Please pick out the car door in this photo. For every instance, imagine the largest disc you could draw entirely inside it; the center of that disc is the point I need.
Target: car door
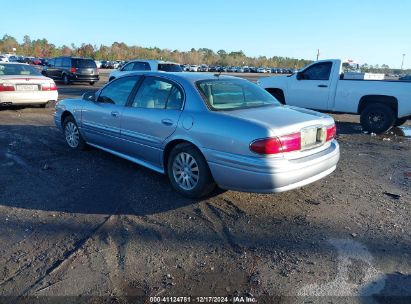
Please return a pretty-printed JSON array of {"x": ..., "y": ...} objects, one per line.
[
  {"x": 311, "y": 87},
  {"x": 58, "y": 68},
  {"x": 101, "y": 119},
  {"x": 150, "y": 118}
]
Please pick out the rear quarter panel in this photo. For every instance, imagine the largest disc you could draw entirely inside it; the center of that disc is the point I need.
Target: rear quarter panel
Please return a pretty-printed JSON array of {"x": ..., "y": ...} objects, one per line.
[{"x": 350, "y": 92}]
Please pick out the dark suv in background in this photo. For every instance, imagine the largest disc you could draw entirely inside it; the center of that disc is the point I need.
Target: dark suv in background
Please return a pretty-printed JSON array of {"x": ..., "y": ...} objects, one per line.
[{"x": 72, "y": 69}]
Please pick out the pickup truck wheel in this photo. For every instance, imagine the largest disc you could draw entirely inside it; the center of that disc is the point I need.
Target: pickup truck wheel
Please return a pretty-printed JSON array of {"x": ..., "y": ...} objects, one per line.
[
  {"x": 399, "y": 122},
  {"x": 72, "y": 134},
  {"x": 188, "y": 172},
  {"x": 377, "y": 118}
]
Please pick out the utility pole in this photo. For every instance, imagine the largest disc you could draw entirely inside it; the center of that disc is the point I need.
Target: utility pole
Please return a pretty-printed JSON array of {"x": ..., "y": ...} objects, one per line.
[
  {"x": 318, "y": 54},
  {"x": 402, "y": 63}
]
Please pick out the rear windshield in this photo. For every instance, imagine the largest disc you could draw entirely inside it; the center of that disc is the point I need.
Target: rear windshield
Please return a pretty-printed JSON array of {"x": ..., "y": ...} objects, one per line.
[
  {"x": 233, "y": 94},
  {"x": 169, "y": 67},
  {"x": 18, "y": 69},
  {"x": 83, "y": 63}
]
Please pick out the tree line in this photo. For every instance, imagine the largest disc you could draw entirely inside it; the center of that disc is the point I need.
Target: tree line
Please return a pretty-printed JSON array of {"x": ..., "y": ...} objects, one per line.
[{"x": 42, "y": 48}]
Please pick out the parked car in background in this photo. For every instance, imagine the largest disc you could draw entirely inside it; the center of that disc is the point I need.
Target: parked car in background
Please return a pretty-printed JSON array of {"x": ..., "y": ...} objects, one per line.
[
  {"x": 145, "y": 65},
  {"x": 44, "y": 61},
  {"x": 98, "y": 63},
  {"x": 4, "y": 58},
  {"x": 22, "y": 84},
  {"x": 203, "y": 68},
  {"x": 194, "y": 68},
  {"x": 72, "y": 69},
  {"x": 261, "y": 70},
  {"x": 406, "y": 78},
  {"x": 178, "y": 124},
  {"x": 35, "y": 61},
  {"x": 324, "y": 86},
  {"x": 104, "y": 64}
]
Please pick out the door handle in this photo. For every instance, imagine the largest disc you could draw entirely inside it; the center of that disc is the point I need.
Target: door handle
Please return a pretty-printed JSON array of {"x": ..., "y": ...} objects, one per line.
[
  {"x": 323, "y": 86},
  {"x": 115, "y": 113},
  {"x": 167, "y": 122}
]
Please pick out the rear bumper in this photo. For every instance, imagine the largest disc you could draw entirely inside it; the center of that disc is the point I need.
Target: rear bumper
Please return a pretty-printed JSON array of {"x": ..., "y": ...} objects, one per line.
[
  {"x": 83, "y": 78},
  {"x": 36, "y": 97},
  {"x": 267, "y": 175}
]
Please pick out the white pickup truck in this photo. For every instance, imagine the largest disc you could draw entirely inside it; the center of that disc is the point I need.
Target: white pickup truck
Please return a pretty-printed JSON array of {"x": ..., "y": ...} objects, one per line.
[{"x": 321, "y": 86}]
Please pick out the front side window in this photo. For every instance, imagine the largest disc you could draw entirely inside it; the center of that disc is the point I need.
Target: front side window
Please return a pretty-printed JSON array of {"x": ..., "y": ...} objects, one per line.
[
  {"x": 319, "y": 71},
  {"x": 118, "y": 91},
  {"x": 232, "y": 94},
  {"x": 158, "y": 94},
  {"x": 128, "y": 67}
]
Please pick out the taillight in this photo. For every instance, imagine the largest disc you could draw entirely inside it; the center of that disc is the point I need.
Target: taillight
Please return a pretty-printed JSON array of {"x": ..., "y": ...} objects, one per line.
[
  {"x": 49, "y": 87},
  {"x": 274, "y": 145},
  {"x": 331, "y": 132},
  {"x": 6, "y": 87},
  {"x": 73, "y": 70}
]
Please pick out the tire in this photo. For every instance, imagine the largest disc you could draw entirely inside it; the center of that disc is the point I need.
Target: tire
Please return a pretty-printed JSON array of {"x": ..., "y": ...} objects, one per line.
[
  {"x": 72, "y": 134},
  {"x": 377, "y": 118},
  {"x": 66, "y": 80},
  {"x": 196, "y": 180},
  {"x": 400, "y": 122},
  {"x": 91, "y": 83},
  {"x": 48, "y": 104}
]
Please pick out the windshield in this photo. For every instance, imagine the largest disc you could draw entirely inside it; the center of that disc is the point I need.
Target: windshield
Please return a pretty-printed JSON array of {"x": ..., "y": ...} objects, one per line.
[
  {"x": 233, "y": 94},
  {"x": 18, "y": 69},
  {"x": 169, "y": 67}
]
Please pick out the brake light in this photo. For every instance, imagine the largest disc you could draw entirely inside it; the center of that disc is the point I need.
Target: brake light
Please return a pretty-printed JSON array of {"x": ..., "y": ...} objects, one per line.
[
  {"x": 274, "y": 145},
  {"x": 49, "y": 87},
  {"x": 331, "y": 132},
  {"x": 6, "y": 87},
  {"x": 73, "y": 70}
]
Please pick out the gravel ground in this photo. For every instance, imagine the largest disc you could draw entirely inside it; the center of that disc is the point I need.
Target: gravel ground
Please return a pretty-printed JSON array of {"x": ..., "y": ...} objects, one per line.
[{"x": 92, "y": 224}]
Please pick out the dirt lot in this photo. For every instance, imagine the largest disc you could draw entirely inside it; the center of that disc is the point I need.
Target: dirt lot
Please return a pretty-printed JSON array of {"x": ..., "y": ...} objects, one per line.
[{"x": 92, "y": 224}]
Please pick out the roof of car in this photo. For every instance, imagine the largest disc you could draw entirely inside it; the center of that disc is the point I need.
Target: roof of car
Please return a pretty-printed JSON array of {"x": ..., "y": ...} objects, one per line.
[
  {"x": 153, "y": 61},
  {"x": 191, "y": 77}
]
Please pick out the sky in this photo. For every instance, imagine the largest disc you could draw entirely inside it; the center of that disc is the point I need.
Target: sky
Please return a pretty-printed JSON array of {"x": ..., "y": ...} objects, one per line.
[{"x": 373, "y": 32}]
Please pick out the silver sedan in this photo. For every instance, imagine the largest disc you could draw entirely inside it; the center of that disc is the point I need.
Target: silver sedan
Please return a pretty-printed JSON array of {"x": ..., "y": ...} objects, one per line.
[{"x": 203, "y": 130}]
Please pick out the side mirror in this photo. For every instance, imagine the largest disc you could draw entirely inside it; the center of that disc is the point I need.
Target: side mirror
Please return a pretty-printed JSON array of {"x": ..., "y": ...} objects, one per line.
[
  {"x": 300, "y": 76},
  {"x": 89, "y": 96}
]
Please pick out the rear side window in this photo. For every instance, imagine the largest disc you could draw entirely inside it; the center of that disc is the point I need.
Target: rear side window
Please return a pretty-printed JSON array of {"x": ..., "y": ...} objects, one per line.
[
  {"x": 66, "y": 62},
  {"x": 118, "y": 91},
  {"x": 141, "y": 66},
  {"x": 319, "y": 71},
  {"x": 158, "y": 94},
  {"x": 169, "y": 67},
  {"x": 59, "y": 62},
  {"x": 83, "y": 63}
]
